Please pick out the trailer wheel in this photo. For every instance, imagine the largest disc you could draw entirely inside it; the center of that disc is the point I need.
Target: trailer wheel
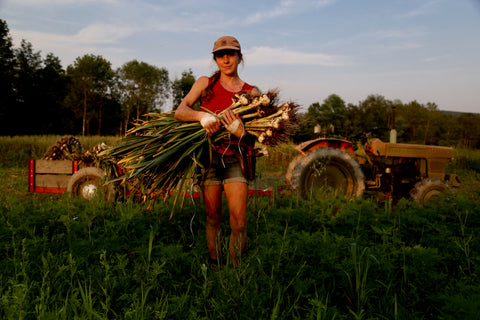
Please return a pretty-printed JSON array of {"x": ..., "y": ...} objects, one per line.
[
  {"x": 88, "y": 182},
  {"x": 426, "y": 189},
  {"x": 328, "y": 170}
]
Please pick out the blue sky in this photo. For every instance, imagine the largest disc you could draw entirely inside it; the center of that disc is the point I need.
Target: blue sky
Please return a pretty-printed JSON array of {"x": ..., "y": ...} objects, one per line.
[{"x": 423, "y": 50}]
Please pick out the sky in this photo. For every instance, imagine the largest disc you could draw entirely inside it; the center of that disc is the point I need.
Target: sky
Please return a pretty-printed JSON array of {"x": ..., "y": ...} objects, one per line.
[{"x": 409, "y": 50}]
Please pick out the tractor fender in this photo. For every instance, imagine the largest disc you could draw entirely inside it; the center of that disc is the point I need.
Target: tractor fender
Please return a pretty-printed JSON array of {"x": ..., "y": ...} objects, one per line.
[{"x": 334, "y": 143}]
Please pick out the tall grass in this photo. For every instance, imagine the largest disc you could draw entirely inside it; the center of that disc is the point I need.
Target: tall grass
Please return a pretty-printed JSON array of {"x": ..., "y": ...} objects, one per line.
[{"x": 467, "y": 159}]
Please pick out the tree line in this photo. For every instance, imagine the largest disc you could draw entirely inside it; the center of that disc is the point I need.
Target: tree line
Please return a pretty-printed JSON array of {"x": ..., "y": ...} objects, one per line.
[
  {"x": 413, "y": 122},
  {"x": 89, "y": 97}
]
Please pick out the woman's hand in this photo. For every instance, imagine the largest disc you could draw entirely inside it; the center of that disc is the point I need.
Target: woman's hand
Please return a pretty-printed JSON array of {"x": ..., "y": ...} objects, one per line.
[
  {"x": 210, "y": 123},
  {"x": 233, "y": 124}
]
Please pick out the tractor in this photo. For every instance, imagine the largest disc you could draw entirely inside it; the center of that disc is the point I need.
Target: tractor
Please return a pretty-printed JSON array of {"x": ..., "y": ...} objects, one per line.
[{"x": 388, "y": 170}]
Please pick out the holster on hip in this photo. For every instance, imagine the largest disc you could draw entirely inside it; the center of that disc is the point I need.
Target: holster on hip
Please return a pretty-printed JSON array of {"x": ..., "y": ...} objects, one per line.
[{"x": 247, "y": 159}]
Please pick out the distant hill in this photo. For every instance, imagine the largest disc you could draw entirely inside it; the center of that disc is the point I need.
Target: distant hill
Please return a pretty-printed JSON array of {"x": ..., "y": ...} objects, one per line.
[{"x": 456, "y": 113}]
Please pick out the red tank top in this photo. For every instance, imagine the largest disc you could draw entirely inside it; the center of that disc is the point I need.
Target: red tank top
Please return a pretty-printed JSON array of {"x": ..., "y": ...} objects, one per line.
[{"x": 222, "y": 98}]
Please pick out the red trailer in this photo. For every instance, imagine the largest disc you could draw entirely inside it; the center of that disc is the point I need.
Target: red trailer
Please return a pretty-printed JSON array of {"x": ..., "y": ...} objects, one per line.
[{"x": 60, "y": 176}]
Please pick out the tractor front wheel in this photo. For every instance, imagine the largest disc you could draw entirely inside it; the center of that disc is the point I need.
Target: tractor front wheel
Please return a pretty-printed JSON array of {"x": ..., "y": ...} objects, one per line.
[
  {"x": 426, "y": 189},
  {"x": 328, "y": 171}
]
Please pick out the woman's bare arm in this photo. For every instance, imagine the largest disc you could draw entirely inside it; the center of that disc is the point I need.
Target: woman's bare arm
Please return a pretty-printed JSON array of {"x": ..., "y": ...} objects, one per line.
[{"x": 185, "y": 112}]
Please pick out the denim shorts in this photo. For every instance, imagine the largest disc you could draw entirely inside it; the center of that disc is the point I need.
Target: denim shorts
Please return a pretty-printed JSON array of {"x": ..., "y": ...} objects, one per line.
[{"x": 224, "y": 169}]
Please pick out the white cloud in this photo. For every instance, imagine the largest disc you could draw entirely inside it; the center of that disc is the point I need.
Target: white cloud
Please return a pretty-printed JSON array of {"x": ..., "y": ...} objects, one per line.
[
  {"x": 267, "y": 56},
  {"x": 286, "y": 7},
  {"x": 96, "y": 39},
  {"x": 435, "y": 58},
  {"x": 93, "y": 34},
  {"x": 278, "y": 56},
  {"x": 39, "y": 39},
  {"x": 425, "y": 8},
  {"x": 324, "y": 3},
  {"x": 42, "y": 3},
  {"x": 103, "y": 33}
]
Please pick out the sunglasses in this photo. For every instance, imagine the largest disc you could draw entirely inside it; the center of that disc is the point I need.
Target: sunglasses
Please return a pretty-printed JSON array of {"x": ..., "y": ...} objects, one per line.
[{"x": 228, "y": 52}]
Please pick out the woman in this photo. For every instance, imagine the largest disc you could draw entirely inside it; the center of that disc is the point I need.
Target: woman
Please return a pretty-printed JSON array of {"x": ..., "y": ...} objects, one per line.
[{"x": 215, "y": 94}]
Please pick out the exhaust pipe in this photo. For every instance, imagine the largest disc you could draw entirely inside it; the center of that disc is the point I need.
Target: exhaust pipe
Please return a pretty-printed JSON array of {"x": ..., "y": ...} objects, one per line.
[{"x": 393, "y": 131}]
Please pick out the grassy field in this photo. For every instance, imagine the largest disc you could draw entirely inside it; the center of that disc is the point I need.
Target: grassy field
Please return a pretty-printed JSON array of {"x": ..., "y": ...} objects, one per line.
[{"x": 64, "y": 258}]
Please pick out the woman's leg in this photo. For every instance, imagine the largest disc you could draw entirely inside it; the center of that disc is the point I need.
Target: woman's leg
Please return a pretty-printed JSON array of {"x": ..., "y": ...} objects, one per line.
[
  {"x": 237, "y": 193},
  {"x": 212, "y": 196}
]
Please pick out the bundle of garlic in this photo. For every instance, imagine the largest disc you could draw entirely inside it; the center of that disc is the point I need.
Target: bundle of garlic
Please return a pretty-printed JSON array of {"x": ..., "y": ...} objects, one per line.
[
  {"x": 262, "y": 117},
  {"x": 162, "y": 153}
]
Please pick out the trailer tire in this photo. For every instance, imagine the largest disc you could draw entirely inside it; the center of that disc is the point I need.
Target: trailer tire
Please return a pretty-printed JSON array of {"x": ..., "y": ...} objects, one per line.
[
  {"x": 88, "y": 182},
  {"x": 328, "y": 171},
  {"x": 426, "y": 189}
]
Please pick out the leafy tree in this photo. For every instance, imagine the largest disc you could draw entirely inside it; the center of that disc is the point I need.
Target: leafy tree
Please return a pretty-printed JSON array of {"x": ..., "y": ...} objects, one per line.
[
  {"x": 40, "y": 88},
  {"x": 53, "y": 88},
  {"x": 91, "y": 81},
  {"x": 372, "y": 114},
  {"x": 330, "y": 113},
  {"x": 376, "y": 114},
  {"x": 180, "y": 87},
  {"x": 353, "y": 121},
  {"x": 307, "y": 123},
  {"x": 28, "y": 93},
  {"x": 414, "y": 119},
  {"x": 449, "y": 130},
  {"x": 470, "y": 129},
  {"x": 145, "y": 88},
  {"x": 304, "y": 130},
  {"x": 432, "y": 124},
  {"x": 7, "y": 72}
]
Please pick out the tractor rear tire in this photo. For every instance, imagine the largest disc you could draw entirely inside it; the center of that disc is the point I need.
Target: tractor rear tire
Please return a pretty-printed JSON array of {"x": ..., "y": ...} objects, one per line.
[
  {"x": 426, "y": 189},
  {"x": 328, "y": 171},
  {"x": 291, "y": 166},
  {"x": 88, "y": 182}
]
